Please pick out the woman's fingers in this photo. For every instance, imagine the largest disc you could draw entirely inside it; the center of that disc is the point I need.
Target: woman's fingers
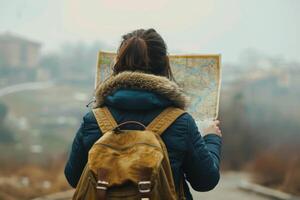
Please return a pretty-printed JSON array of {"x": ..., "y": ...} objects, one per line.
[
  {"x": 213, "y": 128},
  {"x": 216, "y": 126}
]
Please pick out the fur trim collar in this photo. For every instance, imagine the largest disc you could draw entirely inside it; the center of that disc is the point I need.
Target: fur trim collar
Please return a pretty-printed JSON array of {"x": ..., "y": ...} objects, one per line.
[{"x": 138, "y": 80}]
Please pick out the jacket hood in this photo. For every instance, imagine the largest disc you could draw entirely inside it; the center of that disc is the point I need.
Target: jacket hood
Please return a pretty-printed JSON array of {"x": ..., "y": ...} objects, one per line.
[{"x": 140, "y": 91}]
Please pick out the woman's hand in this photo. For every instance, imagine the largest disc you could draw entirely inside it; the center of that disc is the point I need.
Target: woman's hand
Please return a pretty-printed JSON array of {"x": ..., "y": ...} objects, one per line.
[{"x": 213, "y": 129}]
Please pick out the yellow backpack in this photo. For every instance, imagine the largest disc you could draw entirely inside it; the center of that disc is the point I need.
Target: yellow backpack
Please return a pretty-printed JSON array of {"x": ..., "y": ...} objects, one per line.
[{"x": 129, "y": 164}]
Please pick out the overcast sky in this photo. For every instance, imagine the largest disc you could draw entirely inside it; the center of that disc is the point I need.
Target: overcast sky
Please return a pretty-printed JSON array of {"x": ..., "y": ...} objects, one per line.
[{"x": 212, "y": 26}]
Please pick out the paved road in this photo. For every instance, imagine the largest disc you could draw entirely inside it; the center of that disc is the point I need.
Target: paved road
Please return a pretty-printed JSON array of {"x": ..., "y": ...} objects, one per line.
[{"x": 226, "y": 190}]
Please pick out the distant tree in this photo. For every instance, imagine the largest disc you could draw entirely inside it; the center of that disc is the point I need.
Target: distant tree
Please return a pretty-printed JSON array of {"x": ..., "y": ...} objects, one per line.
[
  {"x": 74, "y": 61},
  {"x": 6, "y": 135},
  {"x": 240, "y": 140},
  {"x": 3, "y": 112},
  {"x": 2, "y": 61},
  {"x": 52, "y": 63}
]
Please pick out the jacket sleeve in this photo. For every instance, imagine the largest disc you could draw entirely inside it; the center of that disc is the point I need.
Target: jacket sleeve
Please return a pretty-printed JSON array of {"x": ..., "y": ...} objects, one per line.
[
  {"x": 202, "y": 160},
  {"x": 77, "y": 158}
]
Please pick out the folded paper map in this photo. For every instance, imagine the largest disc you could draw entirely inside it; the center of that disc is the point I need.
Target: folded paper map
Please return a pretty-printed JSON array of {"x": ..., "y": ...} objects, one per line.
[{"x": 198, "y": 75}]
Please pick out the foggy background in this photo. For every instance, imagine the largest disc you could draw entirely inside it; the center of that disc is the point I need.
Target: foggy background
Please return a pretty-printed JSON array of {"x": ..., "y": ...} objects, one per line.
[{"x": 48, "y": 53}]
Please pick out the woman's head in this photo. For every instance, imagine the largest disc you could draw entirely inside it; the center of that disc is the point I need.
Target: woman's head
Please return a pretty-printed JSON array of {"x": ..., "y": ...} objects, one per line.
[{"x": 145, "y": 51}]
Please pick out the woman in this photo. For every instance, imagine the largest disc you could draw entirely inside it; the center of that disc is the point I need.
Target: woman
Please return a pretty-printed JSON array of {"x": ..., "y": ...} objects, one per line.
[{"x": 141, "y": 87}]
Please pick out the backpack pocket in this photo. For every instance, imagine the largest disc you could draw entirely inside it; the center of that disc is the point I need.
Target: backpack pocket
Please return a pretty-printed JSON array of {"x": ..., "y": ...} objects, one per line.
[{"x": 86, "y": 188}]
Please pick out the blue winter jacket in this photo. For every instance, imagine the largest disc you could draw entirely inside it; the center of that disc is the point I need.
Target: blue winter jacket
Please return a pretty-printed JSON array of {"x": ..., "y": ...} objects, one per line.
[{"x": 191, "y": 156}]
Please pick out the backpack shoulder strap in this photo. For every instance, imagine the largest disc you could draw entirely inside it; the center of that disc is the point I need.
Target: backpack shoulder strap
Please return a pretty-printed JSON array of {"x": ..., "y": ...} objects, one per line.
[
  {"x": 105, "y": 120},
  {"x": 165, "y": 119}
]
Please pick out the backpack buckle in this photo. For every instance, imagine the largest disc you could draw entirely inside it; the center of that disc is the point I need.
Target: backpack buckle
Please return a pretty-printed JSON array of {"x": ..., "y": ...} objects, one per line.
[
  {"x": 144, "y": 186},
  {"x": 101, "y": 185}
]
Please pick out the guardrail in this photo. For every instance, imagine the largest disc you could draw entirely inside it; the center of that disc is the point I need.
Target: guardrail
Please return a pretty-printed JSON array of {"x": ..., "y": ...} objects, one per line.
[{"x": 265, "y": 191}]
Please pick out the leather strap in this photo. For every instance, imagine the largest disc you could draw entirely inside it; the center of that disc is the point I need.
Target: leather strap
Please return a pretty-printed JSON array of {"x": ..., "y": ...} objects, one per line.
[
  {"x": 102, "y": 184},
  {"x": 181, "y": 189},
  {"x": 145, "y": 185},
  {"x": 105, "y": 120},
  {"x": 164, "y": 120}
]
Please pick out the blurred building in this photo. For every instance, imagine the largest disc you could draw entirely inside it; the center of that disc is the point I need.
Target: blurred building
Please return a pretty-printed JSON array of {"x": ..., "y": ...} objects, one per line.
[{"x": 16, "y": 51}]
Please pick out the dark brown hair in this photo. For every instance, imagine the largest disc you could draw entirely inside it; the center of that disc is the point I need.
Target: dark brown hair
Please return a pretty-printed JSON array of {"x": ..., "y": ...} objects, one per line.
[{"x": 145, "y": 51}]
